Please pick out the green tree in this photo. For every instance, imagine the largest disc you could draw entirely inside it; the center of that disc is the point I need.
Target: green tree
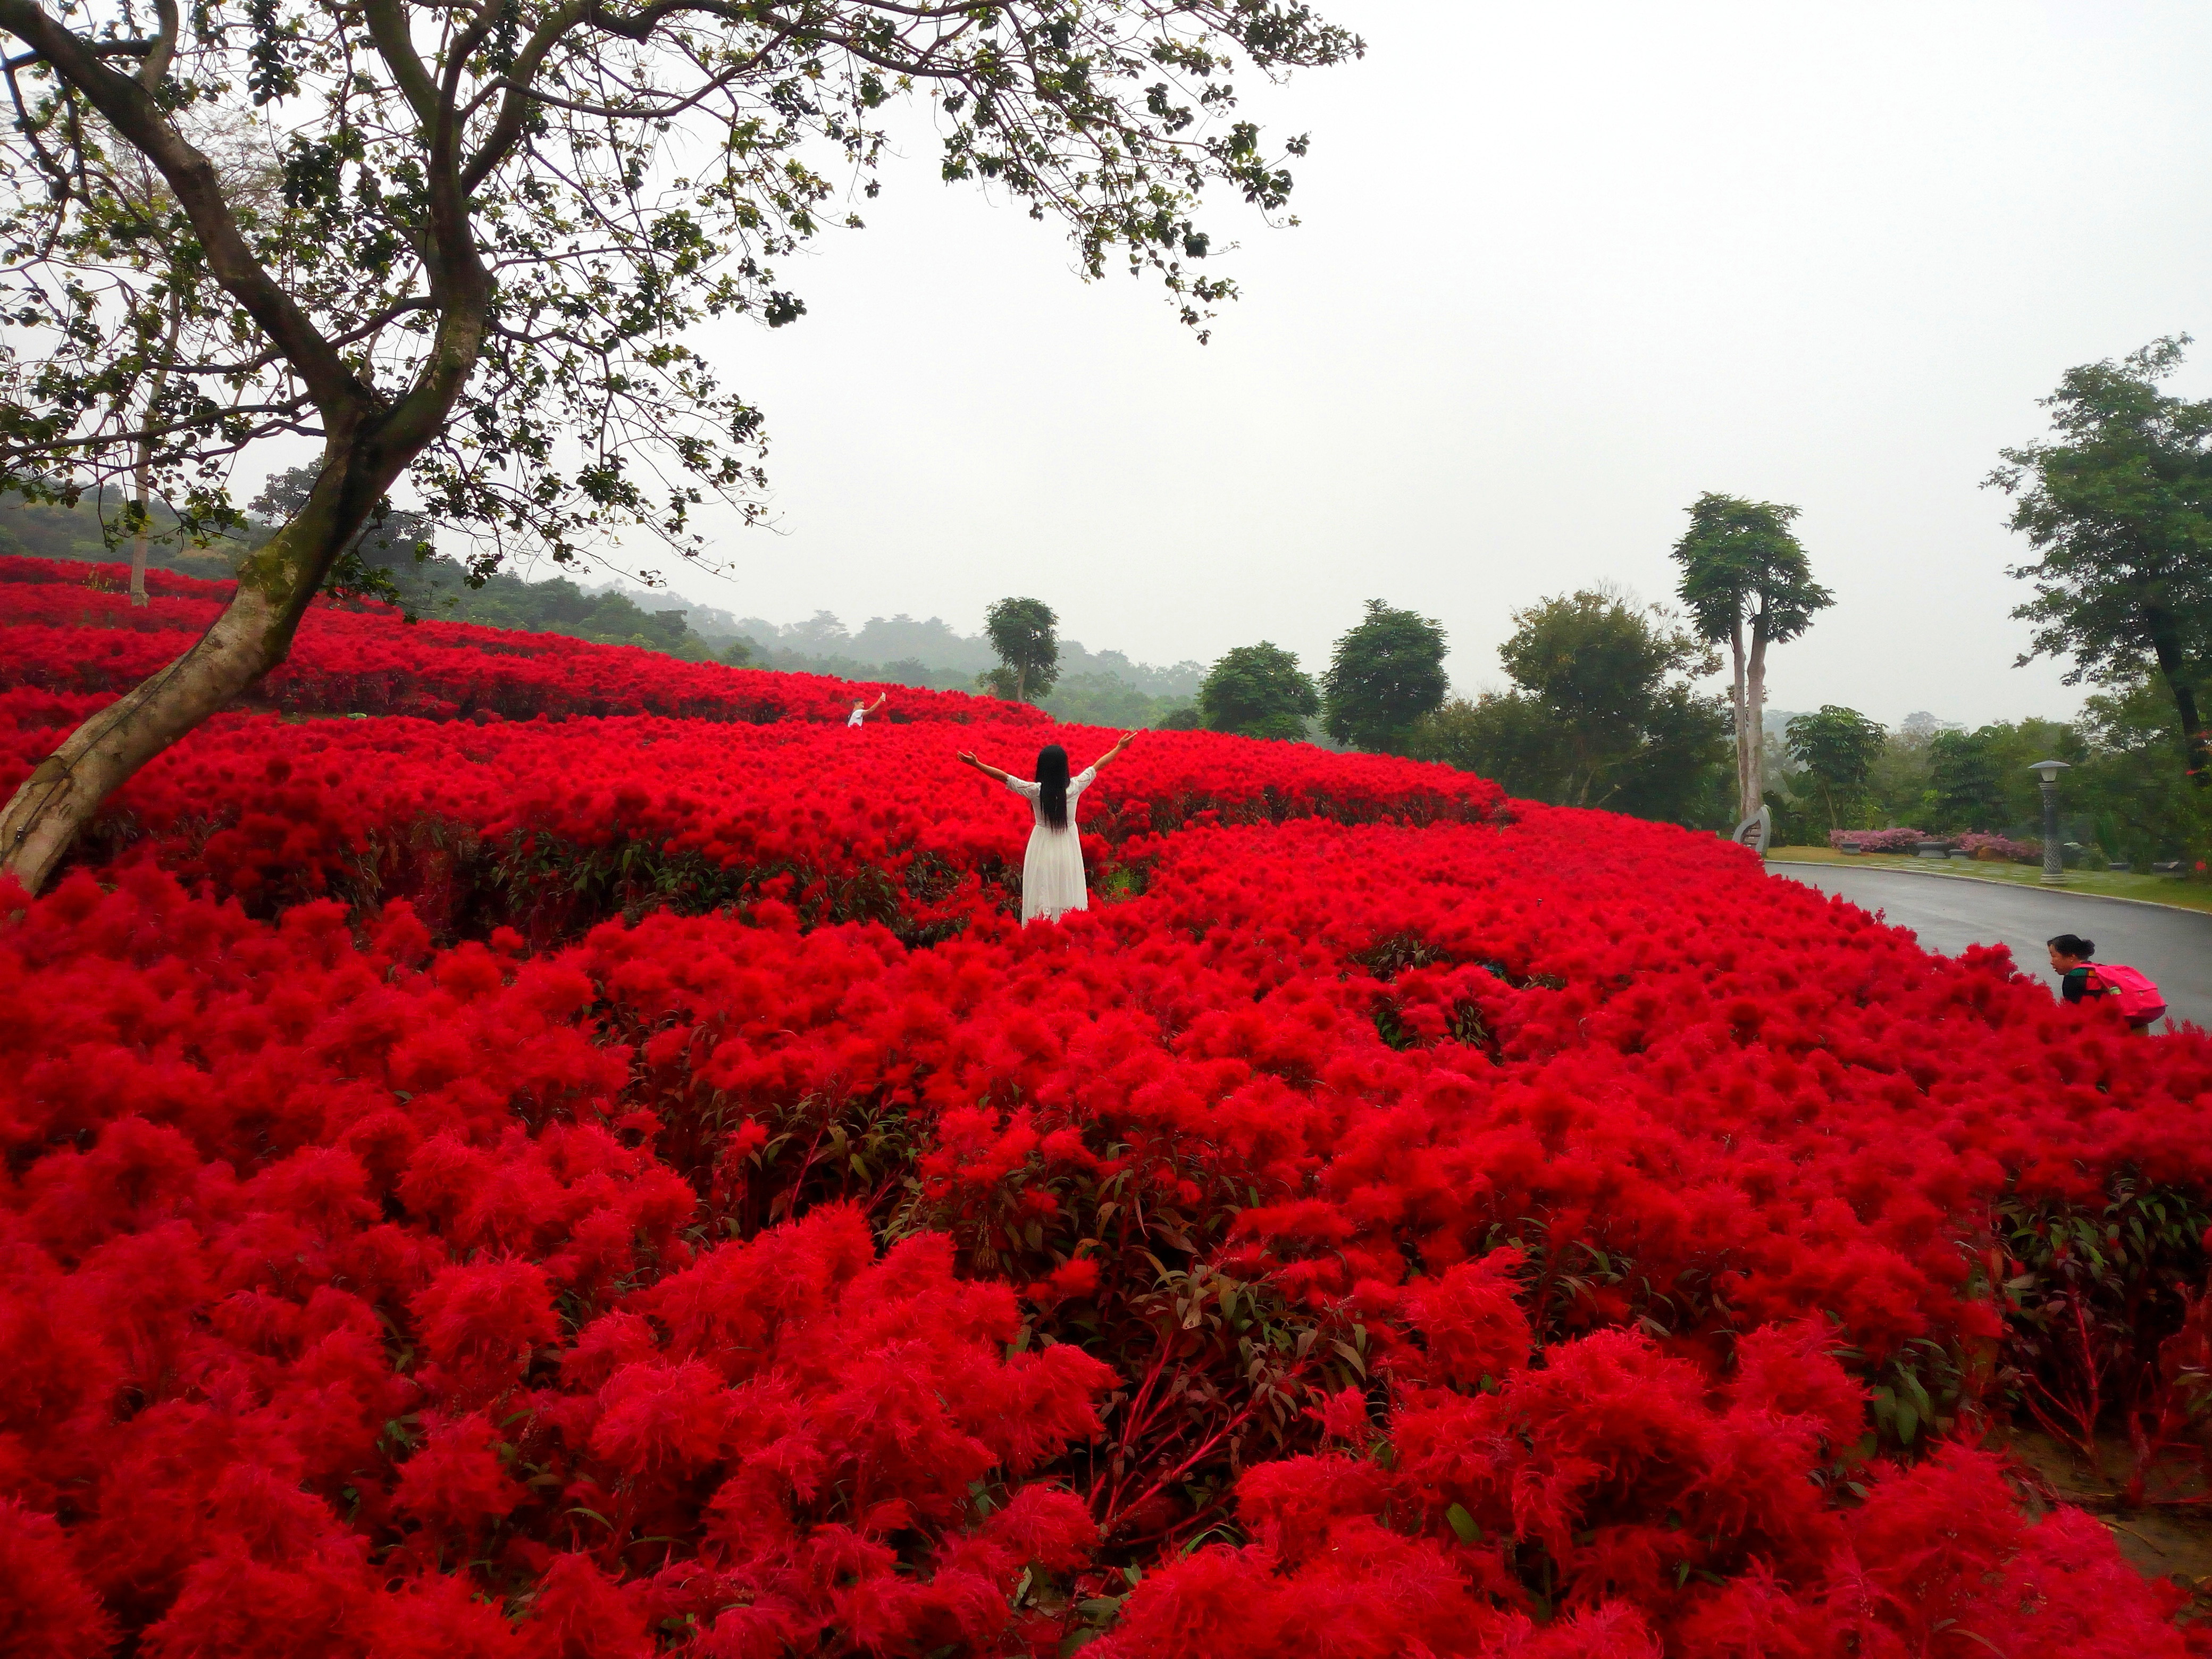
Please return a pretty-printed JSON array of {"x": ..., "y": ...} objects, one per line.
[
  {"x": 1744, "y": 574},
  {"x": 1025, "y": 632},
  {"x": 1259, "y": 691},
  {"x": 1384, "y": 675},
  {"x": 497, "y": 223},
  {"x": 2117, "y": 505},
  {"x": 1837, "y": 748},
  {"x": 1602, "y": 713},
  {"x": 2126, "y": 775},
  {"x": 1966, "y": 781}
]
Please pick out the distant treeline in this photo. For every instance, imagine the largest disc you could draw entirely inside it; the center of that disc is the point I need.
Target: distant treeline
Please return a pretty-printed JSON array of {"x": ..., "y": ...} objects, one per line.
[{"x": 1101, "y": 688}]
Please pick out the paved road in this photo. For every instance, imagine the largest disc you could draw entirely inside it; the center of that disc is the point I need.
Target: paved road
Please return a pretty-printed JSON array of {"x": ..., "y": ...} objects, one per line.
[{"x": 2174, "y": 947}]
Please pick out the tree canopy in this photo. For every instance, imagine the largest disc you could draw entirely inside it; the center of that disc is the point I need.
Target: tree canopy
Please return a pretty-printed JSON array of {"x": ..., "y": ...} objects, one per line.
[
  {"x": 1602, "y": 713},
  {"x": 1259, "y": 691},
  {"x": 1385, "y": 674},
  {"x": 1743, "y": 566},
  {"x": 1025, "y": 632},
  {"x": 463, "y": 246},
  {"x": 2117, "y": 505},
  {"x": 1965, "y": 780},
  {"x": 1744, "y": 573}
]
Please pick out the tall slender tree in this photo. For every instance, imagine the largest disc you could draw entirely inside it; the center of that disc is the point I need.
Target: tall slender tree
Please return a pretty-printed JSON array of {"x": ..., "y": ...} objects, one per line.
[
  {"x": 1025, "y": 632},
  {"x": 498, "y": 222},
  {"x": 2117, "y": 505},
  {"x": 1745, "y": 580}
]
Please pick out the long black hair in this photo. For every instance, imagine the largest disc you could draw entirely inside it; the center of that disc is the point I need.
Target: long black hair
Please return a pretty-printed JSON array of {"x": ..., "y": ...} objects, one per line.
[
  {"x": 2074, "y": 945},
  {"x": 1052, "y": 785}
]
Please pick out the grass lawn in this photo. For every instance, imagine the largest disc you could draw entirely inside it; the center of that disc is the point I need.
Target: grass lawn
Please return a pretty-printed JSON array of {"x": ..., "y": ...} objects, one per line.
[{"x": 2159, "y": 890}]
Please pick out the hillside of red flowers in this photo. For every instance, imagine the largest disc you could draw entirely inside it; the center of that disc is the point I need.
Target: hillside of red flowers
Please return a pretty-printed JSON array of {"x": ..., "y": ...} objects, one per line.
[{"x": 620, "y": 1183}]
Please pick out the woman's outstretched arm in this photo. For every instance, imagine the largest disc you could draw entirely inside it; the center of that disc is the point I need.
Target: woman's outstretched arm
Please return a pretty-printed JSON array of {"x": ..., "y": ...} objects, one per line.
[
  {"x": 969, "y": 759},
  {"x": 1127, "y": 738}
]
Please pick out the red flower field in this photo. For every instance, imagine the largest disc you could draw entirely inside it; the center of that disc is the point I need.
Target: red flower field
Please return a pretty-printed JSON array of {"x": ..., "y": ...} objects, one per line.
[{"x": 579, "y": 1158}]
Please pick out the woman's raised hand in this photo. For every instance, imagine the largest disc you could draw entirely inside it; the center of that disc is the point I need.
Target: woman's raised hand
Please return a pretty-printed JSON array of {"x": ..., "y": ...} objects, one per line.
[
  {"x": 1124, "y": 742},
  {"x": 968, "y": 758}
]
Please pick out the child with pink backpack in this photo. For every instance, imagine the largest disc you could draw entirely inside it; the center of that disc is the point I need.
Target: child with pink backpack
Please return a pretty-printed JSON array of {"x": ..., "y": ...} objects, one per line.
[{"x": 2129, "y": 989}]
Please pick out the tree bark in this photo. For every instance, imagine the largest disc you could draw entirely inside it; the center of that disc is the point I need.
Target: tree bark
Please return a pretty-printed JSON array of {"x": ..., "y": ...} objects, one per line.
[
  {"x": 143, "y": 494},
  {"x": 253, "y": 636},
  {"x": 2173, "y": 667},
  {"x": 1755, "y": 722},
  {"x": 138, "y": 551},
  {"x": 1736, "y": 703},
  {"x": 142, "y": 463},
  {"x": 66, "y": 788}
]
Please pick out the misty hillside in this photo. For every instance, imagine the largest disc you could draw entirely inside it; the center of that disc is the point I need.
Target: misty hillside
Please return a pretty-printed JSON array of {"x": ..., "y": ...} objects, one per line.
[{"x": 1103, "y": 688}]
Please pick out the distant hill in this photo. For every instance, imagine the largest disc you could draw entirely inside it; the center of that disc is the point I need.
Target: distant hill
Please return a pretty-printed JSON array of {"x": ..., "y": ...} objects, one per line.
[
  {"x": 64, "y": 533},
  {"x": 1101, "y": 688},
  {"x": 436, "y": 587}
]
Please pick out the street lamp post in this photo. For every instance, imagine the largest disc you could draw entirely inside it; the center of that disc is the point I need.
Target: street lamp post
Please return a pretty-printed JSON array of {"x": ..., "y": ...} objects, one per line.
[{"x": 2054, "y": 860}]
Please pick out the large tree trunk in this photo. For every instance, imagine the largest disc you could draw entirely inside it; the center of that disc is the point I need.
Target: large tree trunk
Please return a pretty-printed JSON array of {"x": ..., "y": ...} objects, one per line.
[
  {"x": 251, "y": 637},
  {"x": 142, "y": 462},
  {"x": 2196, "y": 741},
  {"x": 1755, "y": 722},
  {"x": 1737, "y": 702},
  {"x": 2173, "y": 667},
  {"x": 138, "y": 566},
  {"x": 144, "y": 494},
  {"x": 67, "y": 788}
]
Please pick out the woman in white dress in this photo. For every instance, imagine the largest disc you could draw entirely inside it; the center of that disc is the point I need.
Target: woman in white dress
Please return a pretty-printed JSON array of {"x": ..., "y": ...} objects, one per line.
[{"x": 1052, "y": 873}]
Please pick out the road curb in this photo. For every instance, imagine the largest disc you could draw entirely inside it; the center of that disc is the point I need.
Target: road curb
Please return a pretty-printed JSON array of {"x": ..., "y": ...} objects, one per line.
[{"x": 1983, "y": 881}]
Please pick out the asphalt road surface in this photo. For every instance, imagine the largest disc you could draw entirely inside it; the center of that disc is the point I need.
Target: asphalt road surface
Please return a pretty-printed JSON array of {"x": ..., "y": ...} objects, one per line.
[{"x": 2174, "y": 947}]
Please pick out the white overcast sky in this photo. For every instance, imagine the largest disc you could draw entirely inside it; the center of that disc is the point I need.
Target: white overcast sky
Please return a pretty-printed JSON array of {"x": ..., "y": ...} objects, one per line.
[{"x": 1561, "y": 268}]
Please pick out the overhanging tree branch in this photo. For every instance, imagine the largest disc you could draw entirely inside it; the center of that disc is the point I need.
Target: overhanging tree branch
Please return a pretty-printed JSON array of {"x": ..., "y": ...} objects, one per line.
[
  {"x": 130, "y": 107},
  {"x": 472, "y": 235}
]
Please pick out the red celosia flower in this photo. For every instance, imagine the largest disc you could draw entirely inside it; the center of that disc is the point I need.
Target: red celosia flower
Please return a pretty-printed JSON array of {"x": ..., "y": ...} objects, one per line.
[{"x": 621, "y": 1180}]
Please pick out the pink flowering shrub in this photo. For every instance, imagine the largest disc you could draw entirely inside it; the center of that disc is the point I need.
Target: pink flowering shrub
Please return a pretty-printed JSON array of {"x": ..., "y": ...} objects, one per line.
[
  {"x": 1876, "y": 840},
  {"x": 1995, "y": 847}
]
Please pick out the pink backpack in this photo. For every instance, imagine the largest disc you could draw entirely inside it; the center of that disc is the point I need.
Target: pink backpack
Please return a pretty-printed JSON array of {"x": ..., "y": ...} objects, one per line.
[{"x": 2132, "y": 992}]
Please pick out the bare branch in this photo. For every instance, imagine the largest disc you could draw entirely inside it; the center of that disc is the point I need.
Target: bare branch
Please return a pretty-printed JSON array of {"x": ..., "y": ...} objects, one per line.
[
  {"x": 99, "y": 49},
  {"x": 163, "y": 47}
]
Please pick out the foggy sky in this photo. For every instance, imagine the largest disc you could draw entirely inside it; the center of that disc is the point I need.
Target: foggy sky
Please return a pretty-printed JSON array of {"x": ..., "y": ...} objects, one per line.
[{"x": 1560, "y": 269}]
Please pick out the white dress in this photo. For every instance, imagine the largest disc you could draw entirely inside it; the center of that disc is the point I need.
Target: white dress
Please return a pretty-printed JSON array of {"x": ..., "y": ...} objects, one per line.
[{"x": 1052, "y": 873}]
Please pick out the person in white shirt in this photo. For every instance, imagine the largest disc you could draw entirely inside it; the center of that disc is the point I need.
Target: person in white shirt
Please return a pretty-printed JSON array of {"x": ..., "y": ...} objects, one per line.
[{"x": 862, "y": 710}]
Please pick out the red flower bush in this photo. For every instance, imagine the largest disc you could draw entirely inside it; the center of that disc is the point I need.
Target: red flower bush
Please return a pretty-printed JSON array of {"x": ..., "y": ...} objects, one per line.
[
  {"x": 629, "y": 1184},
  {"x": 1667, "y": 1520},
  {"x": 65, "y": 635},
  {"x": 549, "y": 827}
]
